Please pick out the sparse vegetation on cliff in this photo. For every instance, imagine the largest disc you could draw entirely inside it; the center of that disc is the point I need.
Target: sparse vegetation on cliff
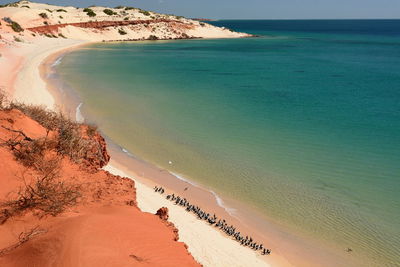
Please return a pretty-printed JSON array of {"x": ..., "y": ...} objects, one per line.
[
  {"x": 89, "y": 12},
  {"x": 43, "y": 192}
]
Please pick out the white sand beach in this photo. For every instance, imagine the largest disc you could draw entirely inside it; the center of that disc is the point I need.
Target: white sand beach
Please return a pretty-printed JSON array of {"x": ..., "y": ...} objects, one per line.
[{"x": 207, "y": 245}]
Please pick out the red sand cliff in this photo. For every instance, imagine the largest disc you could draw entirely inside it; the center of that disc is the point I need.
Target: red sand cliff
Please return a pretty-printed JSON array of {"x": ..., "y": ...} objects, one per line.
[{"x": 104, "y": 227}]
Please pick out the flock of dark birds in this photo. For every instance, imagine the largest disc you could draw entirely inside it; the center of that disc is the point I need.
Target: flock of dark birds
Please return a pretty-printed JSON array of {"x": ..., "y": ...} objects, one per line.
[{"x": 213, "y": 220}]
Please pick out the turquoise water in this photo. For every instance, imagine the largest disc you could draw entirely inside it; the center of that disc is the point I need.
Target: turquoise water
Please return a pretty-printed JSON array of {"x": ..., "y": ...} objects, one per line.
[{"x": 301, "y": 123}]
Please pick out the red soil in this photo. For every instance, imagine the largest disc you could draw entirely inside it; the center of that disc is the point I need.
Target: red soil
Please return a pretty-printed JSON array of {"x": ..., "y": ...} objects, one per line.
[{"x": 105, "y": 227}]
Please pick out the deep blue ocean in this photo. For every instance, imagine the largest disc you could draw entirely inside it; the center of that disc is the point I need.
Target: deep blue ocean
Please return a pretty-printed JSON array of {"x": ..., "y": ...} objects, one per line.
[{"x": 301, "y": 123}]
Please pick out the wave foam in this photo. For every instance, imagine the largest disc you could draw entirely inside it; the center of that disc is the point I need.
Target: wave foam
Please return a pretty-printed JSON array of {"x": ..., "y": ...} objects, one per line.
[
  {"x": 127, "y": 152},
  {"x": 184, "y": 179},
  {"x": 220, "y": 203},
  {"x": 57, "y": 62},
  {"x": 78, "y": 115}
]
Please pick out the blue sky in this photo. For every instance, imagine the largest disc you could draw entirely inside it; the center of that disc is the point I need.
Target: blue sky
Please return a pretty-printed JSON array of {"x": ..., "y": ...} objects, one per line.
[{"x": 256, "y": 9}]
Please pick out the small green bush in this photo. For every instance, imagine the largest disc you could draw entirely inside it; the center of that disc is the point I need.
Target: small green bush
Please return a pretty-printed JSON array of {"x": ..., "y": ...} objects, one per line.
[
  {"x": 61, "y": 10},
  {"x": 109, "y": 12},
  {"x": 119, "y": 7},
  {"x": 129, "y": 8},
  {"x": 152, "y": 38},
  {"x": 44, "y": 15},
  {"x": 16, "y": 27},
  {"x": 144, "y": 12},
  {"x": 17, "y": 39},
  {"x": 122, "y": 32},
  {"x": 89, "y": 12},
  {"x": 62, "y": 35},
  {"x": 51, "y": 11},
  {"x": 126, "y": 18}
]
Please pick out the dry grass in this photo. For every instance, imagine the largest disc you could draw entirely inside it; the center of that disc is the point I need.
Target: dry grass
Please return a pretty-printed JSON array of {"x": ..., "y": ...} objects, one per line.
[
  {"x": 44, "y": 191},
  {"x": 70, "y": 140}
]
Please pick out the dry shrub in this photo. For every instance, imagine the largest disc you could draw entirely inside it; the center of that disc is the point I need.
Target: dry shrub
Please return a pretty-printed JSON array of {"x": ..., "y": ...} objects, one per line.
[
  {"x": 29, "y": 152},
  {"x": 91, "y": 130},
  {"x": 45, "y": 192},
  {"x": 70, "y": 138},
  {"x": 48, "y": 119}
]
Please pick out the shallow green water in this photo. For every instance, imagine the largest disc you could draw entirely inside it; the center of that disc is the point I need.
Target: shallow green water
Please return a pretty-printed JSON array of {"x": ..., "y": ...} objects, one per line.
[{"x": 302, "y": 123}]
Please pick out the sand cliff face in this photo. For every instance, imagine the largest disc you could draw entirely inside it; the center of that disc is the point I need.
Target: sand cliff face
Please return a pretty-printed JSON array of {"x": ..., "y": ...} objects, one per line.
[
  {"x": 99, "y": 24},
  {"x": 99, "y": 225}
]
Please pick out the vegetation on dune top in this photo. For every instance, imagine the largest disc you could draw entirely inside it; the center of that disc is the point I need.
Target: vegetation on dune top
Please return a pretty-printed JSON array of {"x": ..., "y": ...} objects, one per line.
[
  {"x": 89, "y": 12},
  {"x": 144, "y": 12},
  {"x": 109, "y": 12},
  {"x": 129, "y": 8}
]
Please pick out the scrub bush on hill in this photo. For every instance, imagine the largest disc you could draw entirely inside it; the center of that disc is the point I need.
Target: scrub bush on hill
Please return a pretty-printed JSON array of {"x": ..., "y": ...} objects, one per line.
[
  {"x": 109, "y": 12},
  {"x": 61, "y": 10},
  {"x": 144, "y": 12},
  {"x": 89, "y": 12},
  {"x": 16, "y": 27},
  {"x": 44, "y": 15},
  {"x": 122, "y": 32}
]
